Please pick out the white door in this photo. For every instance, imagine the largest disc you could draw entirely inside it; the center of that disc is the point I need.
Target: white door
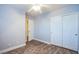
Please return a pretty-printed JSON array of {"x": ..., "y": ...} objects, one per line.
[
  {"x": 31, "y": 29},
  {"x": 70, "y": 31},
  {"x": 56, "y": 30}
]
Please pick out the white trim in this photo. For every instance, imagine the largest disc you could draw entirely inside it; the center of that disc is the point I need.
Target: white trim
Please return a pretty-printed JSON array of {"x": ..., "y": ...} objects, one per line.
[
  {"x": 11, "y": 48},
  {"x": 41, "y": 40}
]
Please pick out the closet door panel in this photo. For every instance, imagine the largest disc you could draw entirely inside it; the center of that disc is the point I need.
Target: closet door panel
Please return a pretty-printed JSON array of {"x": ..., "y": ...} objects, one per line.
[
  {"x": 56, "y": 30},
  {"x": 70, "y": 31}
]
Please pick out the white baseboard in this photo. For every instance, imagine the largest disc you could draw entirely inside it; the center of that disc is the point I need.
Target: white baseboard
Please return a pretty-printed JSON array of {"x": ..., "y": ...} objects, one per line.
[
  {"x": 12, "y": 48},
  {"x": 41, "y": 40},
  {"x": 46, "y": 42}
]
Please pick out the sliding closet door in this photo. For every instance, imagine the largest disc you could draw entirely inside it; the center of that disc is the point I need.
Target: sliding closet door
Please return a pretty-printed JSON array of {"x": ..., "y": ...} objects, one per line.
[
  {"x": 56, "y": 30},
  {"x": 70, "y": 31}
]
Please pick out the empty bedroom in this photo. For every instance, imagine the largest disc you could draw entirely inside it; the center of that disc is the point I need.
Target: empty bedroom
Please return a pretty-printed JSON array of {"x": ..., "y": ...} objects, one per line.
[{"x": 39, "y": 28}]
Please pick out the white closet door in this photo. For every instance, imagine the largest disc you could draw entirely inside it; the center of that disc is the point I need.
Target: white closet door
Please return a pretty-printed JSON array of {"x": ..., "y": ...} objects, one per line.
[
  {"x": 56, "y": 30},
  {"x": 70, "y": 31}
]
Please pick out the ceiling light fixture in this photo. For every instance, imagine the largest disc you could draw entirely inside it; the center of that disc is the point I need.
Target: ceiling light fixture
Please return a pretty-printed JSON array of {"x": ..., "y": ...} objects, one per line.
[{"x": 36, "y": 8}]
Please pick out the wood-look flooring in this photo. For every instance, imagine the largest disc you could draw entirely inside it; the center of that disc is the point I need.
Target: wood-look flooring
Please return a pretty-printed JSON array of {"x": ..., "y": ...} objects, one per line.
[{"x": 37, "y": 47}]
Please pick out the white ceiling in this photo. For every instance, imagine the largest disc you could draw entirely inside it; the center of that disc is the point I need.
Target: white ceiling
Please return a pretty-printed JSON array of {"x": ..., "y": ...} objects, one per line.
[{"x": 26, "y": 7}]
